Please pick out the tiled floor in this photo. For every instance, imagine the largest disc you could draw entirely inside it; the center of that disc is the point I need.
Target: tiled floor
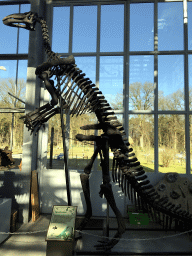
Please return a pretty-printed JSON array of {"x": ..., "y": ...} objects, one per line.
[{"x": 34, "y": 244}]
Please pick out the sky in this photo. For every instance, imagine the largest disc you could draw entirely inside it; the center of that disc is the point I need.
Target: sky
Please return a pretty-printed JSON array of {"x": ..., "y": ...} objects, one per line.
[{"x": 141, "y": 68}]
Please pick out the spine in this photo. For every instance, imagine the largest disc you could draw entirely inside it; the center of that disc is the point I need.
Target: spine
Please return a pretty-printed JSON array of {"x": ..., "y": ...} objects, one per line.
[{"x": 46, "y": 42}]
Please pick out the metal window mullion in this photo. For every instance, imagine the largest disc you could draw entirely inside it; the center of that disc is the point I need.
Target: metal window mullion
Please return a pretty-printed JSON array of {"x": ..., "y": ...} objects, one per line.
[
  {"x": 173, "y": 52},
  {"x": 77, "y": 2},
  {"x": 71, "y": 29},
  {"x": 131, "y": 53},
  {"x": 94, "y": 54},
  {"x": 98, "y": 44},
  {"x": 156, "y": 143},
  {"x": 67, "y": 133},
  {"x": 97, "y": 66},
  {"x": 126, "y": 78},
  {"x": 186, "y": 87},
  {"x": 21, "y": 56},
  {"x": 161, "y": 112},
  {"x": 70, "y": 52},
  {"x": 14, "y": 2},
  {"x": 16, "y": 78},
  {"x": 126, "y": 67}
]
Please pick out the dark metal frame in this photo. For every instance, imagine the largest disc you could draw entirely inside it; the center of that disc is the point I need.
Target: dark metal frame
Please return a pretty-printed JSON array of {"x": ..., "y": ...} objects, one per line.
[{"x": 126, "y": 54}]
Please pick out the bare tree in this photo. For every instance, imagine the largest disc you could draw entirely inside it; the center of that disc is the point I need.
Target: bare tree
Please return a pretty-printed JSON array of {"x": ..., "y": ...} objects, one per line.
[
  {"x": 141, "y": 96},
  {"x": 6, "y": 101}
]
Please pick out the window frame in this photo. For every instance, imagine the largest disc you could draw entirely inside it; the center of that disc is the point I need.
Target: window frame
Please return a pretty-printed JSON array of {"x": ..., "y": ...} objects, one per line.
[{"x": 126, "y": 54}]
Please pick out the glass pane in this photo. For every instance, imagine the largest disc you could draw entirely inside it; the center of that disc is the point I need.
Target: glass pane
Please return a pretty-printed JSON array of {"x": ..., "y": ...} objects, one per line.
[
  {"x": 171, "y": 137},
  {"x": 120, "y": 119},
  {"x": 170, "y": 26},
  {"x": 60, "y": 40},
  {"x": 79, "y": 153},
  {"x": 24, "y": 33},
  {"x": 8, "y": 80},
  {"x": 14, "y": 156},
  {"x": 84, "y": 28},
  {"x": 8, "y": 39},
  {"x": 141, "y": 89},
  {"x": 12, "y": 136},
  {"x": 190, "y": 136},
  {"x": 57, "y": 153},
  {"x": 171, "y": 82},
  {"x": 112, "y": 28},
  {"x": 111, "y": 80},
  {"x": 22, "y": 69},
  {"x": 141, "y": 27},
  {"x": 22, "y": 77},
  {"x": 88, "y": 66},
  {"x": 8, "y": 69},
  {"x": 190, "y": 82},
  {"x": 141, "y": 138},
  {"x": 189, "y": 12}
]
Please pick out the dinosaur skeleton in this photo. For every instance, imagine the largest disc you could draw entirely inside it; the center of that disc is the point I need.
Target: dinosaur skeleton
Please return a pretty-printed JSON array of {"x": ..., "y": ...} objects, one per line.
[{"x": 79, "y": 95}]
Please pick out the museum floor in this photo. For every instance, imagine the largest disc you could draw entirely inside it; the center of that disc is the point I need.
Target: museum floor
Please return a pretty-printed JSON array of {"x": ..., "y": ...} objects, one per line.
[{"x": 34, "y": 244}]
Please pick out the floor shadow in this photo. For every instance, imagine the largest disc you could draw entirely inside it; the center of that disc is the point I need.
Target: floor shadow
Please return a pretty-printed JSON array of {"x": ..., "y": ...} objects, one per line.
[{"x": 8, "y": 189}]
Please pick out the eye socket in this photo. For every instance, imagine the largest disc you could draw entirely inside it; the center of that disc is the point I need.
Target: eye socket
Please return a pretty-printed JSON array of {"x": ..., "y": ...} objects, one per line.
[{"x": 29, "y": 17}]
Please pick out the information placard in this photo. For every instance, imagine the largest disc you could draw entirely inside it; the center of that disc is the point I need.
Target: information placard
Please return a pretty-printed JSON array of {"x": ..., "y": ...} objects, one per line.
[{"x": 62, "y": 223}]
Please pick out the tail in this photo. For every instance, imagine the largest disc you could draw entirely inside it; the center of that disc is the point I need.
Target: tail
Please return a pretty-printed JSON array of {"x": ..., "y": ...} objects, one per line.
[{"x": 131, "y": 177}]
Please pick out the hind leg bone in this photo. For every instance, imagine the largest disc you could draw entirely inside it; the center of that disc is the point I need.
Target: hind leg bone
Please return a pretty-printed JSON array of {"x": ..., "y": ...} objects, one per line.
[{"x": 86, "y": 190}]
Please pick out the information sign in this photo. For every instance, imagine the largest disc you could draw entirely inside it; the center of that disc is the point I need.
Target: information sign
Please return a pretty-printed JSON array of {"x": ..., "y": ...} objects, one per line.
[{"x": 62, "y": 223}]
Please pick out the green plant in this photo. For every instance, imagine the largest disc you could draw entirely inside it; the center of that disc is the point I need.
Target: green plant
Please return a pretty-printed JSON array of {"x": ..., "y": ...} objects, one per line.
[{"x": 167, "y": 156}]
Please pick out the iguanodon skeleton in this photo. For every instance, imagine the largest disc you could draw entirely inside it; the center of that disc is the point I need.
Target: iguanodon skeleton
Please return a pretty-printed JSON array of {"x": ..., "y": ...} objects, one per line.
[{"x": 82, "y": 95}]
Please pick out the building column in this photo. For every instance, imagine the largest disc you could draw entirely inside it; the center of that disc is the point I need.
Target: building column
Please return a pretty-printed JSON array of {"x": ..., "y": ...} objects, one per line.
[{"x": 33, "y": 89}]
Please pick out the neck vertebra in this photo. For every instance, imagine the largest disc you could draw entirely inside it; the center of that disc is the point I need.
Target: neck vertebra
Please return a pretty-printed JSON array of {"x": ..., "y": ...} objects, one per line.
[{"x": 46, "y": 42}]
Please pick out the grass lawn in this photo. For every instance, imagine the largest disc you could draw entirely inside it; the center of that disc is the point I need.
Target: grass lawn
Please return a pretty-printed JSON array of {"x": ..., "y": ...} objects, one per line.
[{"x": 79, "y": 157}]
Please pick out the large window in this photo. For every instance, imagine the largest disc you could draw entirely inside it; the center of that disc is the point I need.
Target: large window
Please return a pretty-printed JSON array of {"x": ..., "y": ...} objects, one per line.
[
  {"x": 13, "y": 75},
  {"x": 138, "y": 56}
]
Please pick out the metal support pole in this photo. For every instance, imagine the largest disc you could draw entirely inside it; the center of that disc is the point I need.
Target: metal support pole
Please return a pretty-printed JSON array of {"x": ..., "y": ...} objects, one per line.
[
  {"x": 105, "y": 169},
  {"x": 65, "y": 153},
  {"x": 51, "y": 148}
]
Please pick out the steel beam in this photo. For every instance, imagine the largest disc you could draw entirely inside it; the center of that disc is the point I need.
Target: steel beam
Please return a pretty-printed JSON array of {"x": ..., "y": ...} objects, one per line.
[{"x": 12, "y": 110}]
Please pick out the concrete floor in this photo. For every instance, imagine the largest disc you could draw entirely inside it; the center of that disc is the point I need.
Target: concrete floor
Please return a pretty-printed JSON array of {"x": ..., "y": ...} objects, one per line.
[{"x": 34, "y": 244}]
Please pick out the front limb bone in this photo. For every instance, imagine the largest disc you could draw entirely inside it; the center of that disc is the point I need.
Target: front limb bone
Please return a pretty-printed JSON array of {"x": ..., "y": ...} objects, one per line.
[{"x": 49, "y": 85}]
